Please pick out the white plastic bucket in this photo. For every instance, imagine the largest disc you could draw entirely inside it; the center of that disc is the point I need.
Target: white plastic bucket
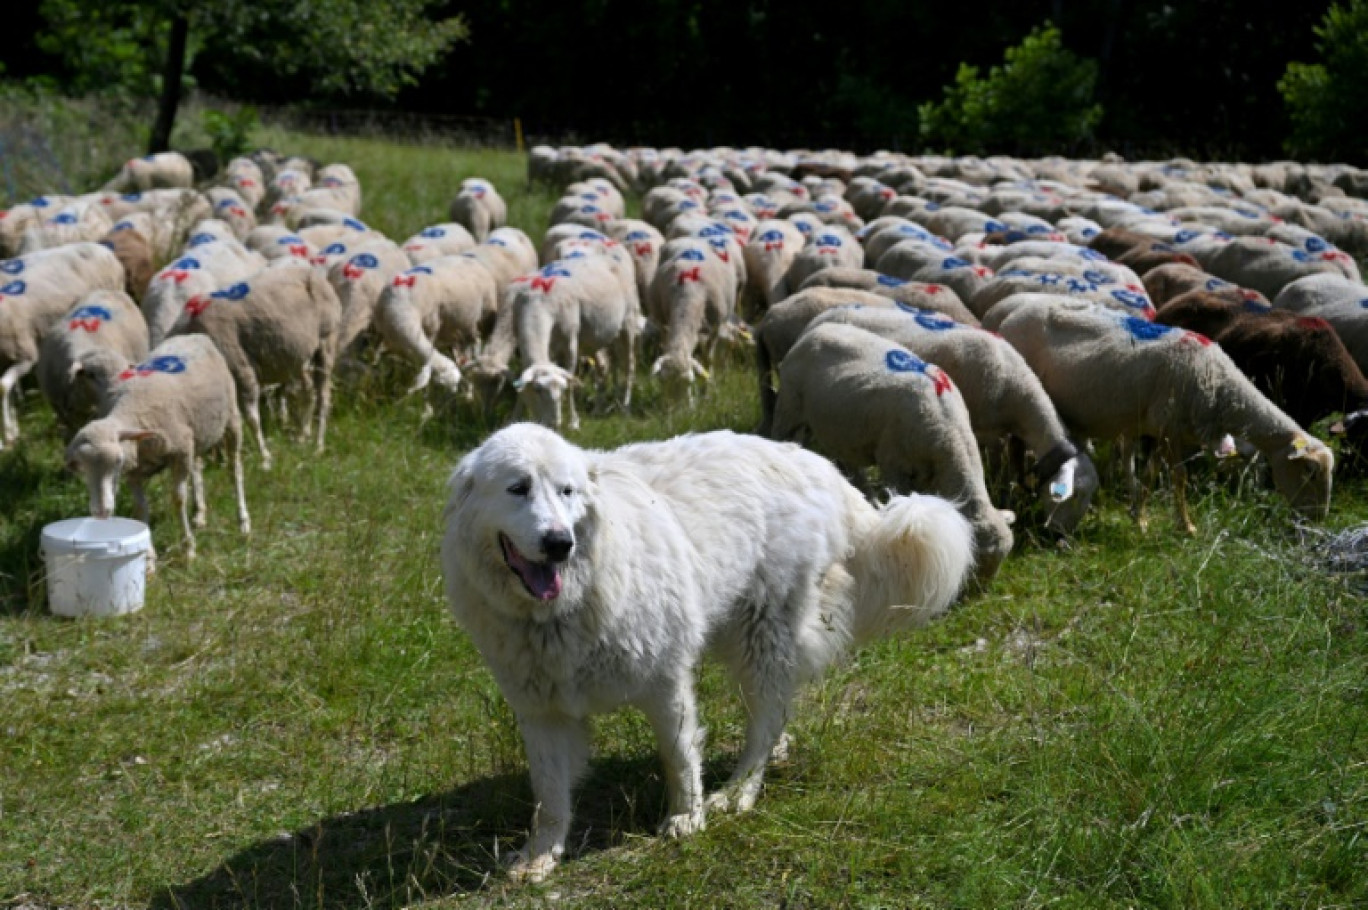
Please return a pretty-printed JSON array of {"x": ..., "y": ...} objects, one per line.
[{"x": 96, "y": 566}]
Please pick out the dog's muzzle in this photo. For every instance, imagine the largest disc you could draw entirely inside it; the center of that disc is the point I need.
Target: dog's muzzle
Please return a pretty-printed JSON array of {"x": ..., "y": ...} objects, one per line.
[{"x": 542, "y": 580}]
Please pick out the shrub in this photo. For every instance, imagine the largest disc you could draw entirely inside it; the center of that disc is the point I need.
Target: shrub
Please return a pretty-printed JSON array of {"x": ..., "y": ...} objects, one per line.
[
  {"x": 230, "y": 132},
  {"x": 1328, "y": 101},
  {"x": 1040, "y": 101}
]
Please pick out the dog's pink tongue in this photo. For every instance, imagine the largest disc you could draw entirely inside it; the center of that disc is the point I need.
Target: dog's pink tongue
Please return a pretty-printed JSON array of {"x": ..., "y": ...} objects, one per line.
[{"x": 542, "y": 578}]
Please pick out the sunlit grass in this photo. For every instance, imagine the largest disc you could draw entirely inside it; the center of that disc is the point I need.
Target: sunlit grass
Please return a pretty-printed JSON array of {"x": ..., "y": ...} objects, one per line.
[{"x": 293, "y": 720}]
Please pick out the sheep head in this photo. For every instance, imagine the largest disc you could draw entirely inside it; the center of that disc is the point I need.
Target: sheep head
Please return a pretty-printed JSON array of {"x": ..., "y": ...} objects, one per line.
[{"x": 1303, "y": 470}]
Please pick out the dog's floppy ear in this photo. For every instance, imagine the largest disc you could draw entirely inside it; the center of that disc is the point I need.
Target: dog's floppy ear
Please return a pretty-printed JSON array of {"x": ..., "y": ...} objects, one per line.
[{"x": 461, "y": 485}]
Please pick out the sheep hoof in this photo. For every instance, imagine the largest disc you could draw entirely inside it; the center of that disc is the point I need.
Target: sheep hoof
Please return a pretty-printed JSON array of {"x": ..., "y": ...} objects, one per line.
[{"x": 200, "y": 521}]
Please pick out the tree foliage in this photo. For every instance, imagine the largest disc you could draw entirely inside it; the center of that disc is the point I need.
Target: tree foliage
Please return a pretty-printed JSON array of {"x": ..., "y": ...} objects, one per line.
[
  {"x": 1039, "y": 101},
  {"x": 1327, "y": 102}
]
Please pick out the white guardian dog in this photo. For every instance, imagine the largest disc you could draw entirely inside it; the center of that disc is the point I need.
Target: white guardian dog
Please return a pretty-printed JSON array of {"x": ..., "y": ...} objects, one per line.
[{"x": 591, "y": 580}]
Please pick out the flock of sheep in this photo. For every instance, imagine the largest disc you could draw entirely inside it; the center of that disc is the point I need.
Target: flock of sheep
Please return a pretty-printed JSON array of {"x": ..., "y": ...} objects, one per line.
[{"x": 907, "y": 313}]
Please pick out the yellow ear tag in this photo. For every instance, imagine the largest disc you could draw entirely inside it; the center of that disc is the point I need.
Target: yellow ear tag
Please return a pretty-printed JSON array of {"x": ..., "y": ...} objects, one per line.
[{"x": 1299, "y": 445}]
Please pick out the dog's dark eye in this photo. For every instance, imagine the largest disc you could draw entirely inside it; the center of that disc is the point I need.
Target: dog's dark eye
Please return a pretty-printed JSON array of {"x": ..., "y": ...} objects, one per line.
[{"x": 521, "y": 488}]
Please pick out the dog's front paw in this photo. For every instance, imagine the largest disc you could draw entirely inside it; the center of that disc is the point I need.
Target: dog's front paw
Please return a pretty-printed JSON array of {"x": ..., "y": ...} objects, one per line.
[
  {"x": 533, "y": 869},
  {"x": 677, "y": 826}
]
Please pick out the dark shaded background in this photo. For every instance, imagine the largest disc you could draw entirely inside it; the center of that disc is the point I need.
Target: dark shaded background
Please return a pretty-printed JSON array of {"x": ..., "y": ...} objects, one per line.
[{"x": 1177, "y": 77}]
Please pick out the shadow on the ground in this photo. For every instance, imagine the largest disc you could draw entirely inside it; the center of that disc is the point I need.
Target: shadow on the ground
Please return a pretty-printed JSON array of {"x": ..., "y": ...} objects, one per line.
[{"x": 405, "y": 853}]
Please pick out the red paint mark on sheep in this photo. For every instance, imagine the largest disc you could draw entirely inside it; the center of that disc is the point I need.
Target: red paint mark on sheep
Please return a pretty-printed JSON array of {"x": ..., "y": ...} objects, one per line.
[
  {"x": 176, "y": 275},
  {"x": 86, "y": 324},
  {"x": 197, "y": 304},
  {"x": 1314, "y": 323},
  {"x": 941, "y": 379},
  {"x": 404, "y": 281},
  {"x": 693, "y": 274}
]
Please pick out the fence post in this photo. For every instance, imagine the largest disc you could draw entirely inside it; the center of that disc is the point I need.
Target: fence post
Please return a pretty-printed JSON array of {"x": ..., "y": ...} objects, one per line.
[{"x": 517, "y": 133}]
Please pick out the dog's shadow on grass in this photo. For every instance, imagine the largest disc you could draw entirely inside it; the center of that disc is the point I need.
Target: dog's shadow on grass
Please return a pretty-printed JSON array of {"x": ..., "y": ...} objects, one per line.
[{"x": 405, "y": 853}]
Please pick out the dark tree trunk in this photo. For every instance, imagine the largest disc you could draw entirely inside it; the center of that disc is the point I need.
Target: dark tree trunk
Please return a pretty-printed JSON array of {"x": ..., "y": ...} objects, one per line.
[{"x": 171, "y": 85}]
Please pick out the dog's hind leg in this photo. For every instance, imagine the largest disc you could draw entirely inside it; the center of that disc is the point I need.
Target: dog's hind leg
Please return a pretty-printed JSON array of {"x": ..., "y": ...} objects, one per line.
[
  {"x": 767, "y": 672},
  {"x": 673, "y": 715},
  {"x": 557, "y": 755}
]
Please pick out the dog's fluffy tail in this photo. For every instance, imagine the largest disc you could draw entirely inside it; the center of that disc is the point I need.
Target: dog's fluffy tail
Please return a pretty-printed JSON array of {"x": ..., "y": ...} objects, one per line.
[{"x": 909, "y": 565}]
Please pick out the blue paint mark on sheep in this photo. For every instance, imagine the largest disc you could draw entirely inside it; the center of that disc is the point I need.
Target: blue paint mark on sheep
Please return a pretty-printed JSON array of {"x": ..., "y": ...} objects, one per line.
[
  {"x": 1316, "y": 245},
  {"x": 933, "y": 207},
  {"x": 1216, "y": 284},
  {"x": 556, "y": 271},
  {"x": 1143, "y": 329},
  {"x": 935, "y": 322},
  {"x": 334, "y": 249},
  {"x": 1089, "y": 232},
  {"x": 1301, "y": 256},
  {"x": 40, "y": 202},
  {"x": 1097, "y": 277},
  {"x": 365, "y": 261},
  {"x": 13, "y": 289},
  {"x": 131, "y": 197},
  {"x": 234, "y": 293},
  {"x": 64, "y": 218},
  {"x": 637, "y": 235},
  {"x": 354, "y": 224},
  {"x": 1185, "y": 235},
  {"x": 954, "y": 262},
  {"x": 691, "y": 256},
  {"x": 1079, "y": 286},
  {"x": 12, "y": 266},
  {"x": 992, "y": 227},
  {"x": 889, "y": 281},
  {"x": 195, "y": 239},
  {"x": 900, "y": 361},
  {"x": 92, "y": 312},
  {"x": 1094, "y": 255},
  {"x": 186, "y": 263},
  {"x": 1039, "y": 229},
  {"x": 432, "y": 233},
  {"x": 1131, "y": 299}
]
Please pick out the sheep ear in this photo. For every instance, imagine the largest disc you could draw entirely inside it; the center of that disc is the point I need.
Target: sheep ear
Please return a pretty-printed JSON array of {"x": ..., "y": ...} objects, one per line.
[
  {"x": 1301, "y": 448},
  {"x": 77, "y": 369},
  {"x": 1226, "y": 448},
  {"x": 136, "y": 435},
  {"x": 1338, "y": 428},
  {"x": 1008, "y": 516},
  {"x": 153, "y": 441},
  {"x": 698, "y": 369}
]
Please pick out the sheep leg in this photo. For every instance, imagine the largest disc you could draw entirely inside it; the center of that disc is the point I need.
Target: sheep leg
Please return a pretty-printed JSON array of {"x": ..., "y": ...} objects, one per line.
[
  {"x": 626, "y": 359},
  {"x": 572, "y": 364},
  {"x": 181, "y": 470},
  {"x": 197, "y": 488},
  {"x": 9, "y": 395},
  {"x": 250, "y": 399},
  {"x": 1141, "y": 487},
  {"x": 233, "y": 438},
  {"x": 143, "y": 513},
  {"x": 1178, "y": 469},
  {"x": 322, "y": 375}
]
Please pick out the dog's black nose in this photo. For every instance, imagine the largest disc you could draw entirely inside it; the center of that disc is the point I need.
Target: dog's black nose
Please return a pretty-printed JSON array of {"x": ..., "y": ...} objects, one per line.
[{"x": 557, "y": 545}]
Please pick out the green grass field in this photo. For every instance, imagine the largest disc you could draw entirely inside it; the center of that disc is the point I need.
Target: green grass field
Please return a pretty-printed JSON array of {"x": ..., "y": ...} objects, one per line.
[{"x": 1135, "y": 720}]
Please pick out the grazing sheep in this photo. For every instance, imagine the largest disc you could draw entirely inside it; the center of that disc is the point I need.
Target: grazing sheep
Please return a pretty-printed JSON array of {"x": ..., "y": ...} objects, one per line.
[
  {"x": 782, "y": 325},
  {"x": 643, "y": 243},
  {"x": 444, "y": 304},
  {"x": 244, "y": 176},
  {"x": 1005, "y": 399},
  {"x": 273, "y": 242},
  {"x": 831, "y": 248},
  {"x": 1298, "y": 361},
  {"x": 165, "y": 169},
  {"x": 912, "y": 293},
  {"x": 279, "y": 327},
  {"x": 769, "y": 254},
  {"x": 914, "y": 260},
  {"x": 1337, "y": 300},
  {"x": 165, "y": 412},
  {"x": 35, "y": 291},
  {"x": 507, "y": 254},
  {"x": 570, "y": 309},
  {"x": 1112, "y": 376},
  {"x": 1176, "y": 279},
  {"x": 134, "y": 253},
  {"x": 1114, "y": 288},
  {"x": 479, "y": 207},
  {"x": 861, "y": 400},
  {"x": 449, "y": 239},
  {"x": 76, "y": 222},
  {"x": 359, "y": 280},
  {"x": 691, "y": 297},
  {"x": 1268, "y": 266},
  {"x": 86, "y": 350},
  {"x": 205, "y": 268},
  {"x": 232, "y": 210}
]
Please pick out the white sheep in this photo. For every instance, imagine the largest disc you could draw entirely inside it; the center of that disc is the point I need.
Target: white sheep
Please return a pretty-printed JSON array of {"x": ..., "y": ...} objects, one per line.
[
  {"x": 76, "y": 222},
  {"x": 691, "y": 297},
  {"x": 273, "y": 241},
  {"x": 164, "y": 169},
  {"x": 35, "y": 291},
  {"x": 1115, "y": 376},
  {"x": 167, "y": 411},
  {"x": 1268, "y": 266},
  {"x": 1005, "y": 399},
  {"x": 479, "y": 207},
  {"x": 86, "y": 350},
  {"x": 444, "y": 304},
  {"x": 769, "y": 253},
  {"x": 1337, "y": 300},
  {"x": 201, "y": 270},
  {"x": 359, "y": 280},
  {"x": 916, "y": 294},
  {"x": 507, "y": 253},
  {"x": 570, "y": 309},
  {"x": 280, "y": 326},
  {"x": 233, "y": 210},
  {"x": 450, "y": 239},
  {"x": 643, "y": 243},
  {"x": 864, "y": 401},
  {"x": 831, "y": 248}
]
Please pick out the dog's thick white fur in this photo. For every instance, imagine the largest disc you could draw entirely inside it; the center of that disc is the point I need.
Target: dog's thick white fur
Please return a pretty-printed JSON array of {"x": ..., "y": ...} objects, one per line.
[{"x": 589, "y": 580}]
